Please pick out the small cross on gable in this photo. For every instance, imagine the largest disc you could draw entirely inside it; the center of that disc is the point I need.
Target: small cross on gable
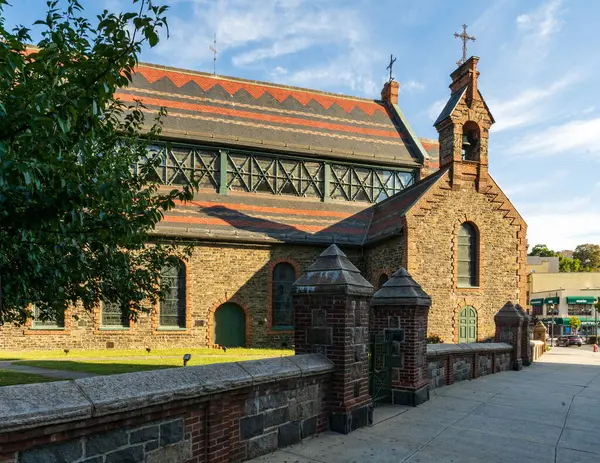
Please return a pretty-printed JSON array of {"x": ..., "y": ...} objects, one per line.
[{"x": 390, "y": 66}]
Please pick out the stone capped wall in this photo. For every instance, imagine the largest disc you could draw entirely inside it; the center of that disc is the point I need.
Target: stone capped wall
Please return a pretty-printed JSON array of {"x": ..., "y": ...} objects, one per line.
[
  {"x": 215, "y": 413},
  {"x": 216, "y": 273},
  {"x": 432, "y": 255},
  {"x": 449, "y": 363}
]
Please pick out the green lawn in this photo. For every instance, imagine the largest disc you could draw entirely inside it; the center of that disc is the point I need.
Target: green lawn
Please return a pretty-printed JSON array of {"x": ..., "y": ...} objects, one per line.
[
  {"x": 110, "y": 362},
  {"x": 10, "y": 378},
  {"x": 128, "y": 353}
]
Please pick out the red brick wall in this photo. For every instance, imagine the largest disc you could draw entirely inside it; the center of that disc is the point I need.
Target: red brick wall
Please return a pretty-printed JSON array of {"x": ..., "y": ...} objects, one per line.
[{"x": 231, "y": 426}]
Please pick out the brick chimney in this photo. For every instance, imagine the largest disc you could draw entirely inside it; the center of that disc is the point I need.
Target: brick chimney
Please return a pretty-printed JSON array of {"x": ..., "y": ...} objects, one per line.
[{"x": 389, "y": 94}]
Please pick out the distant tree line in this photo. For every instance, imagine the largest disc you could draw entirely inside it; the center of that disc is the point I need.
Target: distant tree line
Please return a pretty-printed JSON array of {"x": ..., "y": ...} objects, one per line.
[{"x": 586, "y": 257}]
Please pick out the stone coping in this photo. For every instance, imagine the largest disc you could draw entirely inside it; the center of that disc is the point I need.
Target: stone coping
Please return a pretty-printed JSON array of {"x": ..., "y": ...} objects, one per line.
[
  {"x": 34, "y": 405},
  {"x": 536, "y": 342},
  {"x": 467, "y": 348}
]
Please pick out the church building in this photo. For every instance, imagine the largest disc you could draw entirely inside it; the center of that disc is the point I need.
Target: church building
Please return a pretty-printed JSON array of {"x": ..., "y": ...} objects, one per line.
[{"x": 284, "y": 172}]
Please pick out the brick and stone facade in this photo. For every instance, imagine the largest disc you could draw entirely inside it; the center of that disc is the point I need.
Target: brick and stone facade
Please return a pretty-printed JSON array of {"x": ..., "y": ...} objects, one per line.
[
  {"x": 331, "y": 301},
  {"x": 239, "y": 236}
]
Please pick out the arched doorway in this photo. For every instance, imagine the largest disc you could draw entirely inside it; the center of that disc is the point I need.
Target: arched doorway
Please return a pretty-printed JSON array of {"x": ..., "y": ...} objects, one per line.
[
  {"x": 467, "y": 325},
  {"x": 230, "y": 326}
]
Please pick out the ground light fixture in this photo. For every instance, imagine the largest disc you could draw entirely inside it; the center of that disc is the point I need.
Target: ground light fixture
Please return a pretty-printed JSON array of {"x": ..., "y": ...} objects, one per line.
[{"x": 186, "y": 359}]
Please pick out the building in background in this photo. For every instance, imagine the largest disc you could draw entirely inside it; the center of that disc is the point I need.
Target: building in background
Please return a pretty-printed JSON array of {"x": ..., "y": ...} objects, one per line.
[{"x": 567, "y": 294}]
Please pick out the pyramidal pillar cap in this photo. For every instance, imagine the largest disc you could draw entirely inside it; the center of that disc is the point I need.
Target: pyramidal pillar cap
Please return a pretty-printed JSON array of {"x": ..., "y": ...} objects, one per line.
[
  {"x": 332, "y": 273},
  {"x": 522, "y": 312},
  {"x": 401, "y": 289},
  {"x": 508, "y": 314}
]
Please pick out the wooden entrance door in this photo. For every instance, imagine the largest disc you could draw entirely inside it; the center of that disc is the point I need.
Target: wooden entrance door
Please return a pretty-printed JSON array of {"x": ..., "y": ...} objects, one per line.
[
  {"x": 467, "y": 325},
  {"x": 230, "y": 326}
]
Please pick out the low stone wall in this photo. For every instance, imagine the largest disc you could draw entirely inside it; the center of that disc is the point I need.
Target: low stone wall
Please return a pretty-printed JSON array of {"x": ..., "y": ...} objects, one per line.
[
  {"x": 450, "y": 363},
  {"x": 537, "y": 349},
  {"x": 214, "y": 413}
]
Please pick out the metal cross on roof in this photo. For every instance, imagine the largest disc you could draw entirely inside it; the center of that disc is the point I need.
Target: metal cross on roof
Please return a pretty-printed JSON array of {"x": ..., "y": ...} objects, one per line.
[
  {"x": 464, "y": 36},
  {"x": 213, "y": 48},
  {"x": 392, "y": 61}
]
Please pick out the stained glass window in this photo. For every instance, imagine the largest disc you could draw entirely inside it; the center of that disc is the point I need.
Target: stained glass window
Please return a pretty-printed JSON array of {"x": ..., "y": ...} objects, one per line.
[
  {"x": 284, "y": 276},
  {"x": 467, "y": 256},
  {"x": 113, "y": 316},
  {"x": 173, "y": 306},
  {"x": 50, "y": 324}
]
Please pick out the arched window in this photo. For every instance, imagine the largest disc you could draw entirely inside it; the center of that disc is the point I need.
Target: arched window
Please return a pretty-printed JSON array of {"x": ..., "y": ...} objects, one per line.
[
  {"x": 173, "y": 305},
  {"x": 283, "y": 310},
  {"x": 470, "y": 142},
  {"x": 383, "y": 278},
  {"x": 467, "y": 256}
]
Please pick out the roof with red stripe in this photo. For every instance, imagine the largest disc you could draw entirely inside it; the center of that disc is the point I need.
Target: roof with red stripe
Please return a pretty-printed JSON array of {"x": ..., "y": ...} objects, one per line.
[{"x": 208, "y": 108}]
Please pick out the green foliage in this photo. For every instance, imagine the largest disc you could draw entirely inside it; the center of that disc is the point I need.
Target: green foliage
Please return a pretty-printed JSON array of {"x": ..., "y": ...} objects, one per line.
[
  {"x": 589, "y": 255},
  {"x": 434, "y": 338},
  {"x": 566, "y": 264},
  {"x": 575, "y": 323},
  {"x": 75, "y": 219},
  {"x": 542, "y": 251}
]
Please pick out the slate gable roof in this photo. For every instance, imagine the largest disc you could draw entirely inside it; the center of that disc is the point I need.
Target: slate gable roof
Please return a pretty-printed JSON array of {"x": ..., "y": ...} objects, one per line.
[
  {"x": 217, "y": 109},
  {"x": 267, "y": 219}
]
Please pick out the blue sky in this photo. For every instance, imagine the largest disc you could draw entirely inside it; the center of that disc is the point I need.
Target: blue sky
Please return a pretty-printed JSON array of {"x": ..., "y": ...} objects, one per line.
[{"x": 539, "y": 75}]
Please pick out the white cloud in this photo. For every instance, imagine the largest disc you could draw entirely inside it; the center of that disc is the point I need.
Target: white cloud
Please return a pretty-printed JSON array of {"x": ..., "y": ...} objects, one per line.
[
  {"x": 530, "y": 106},
  {"x": 562, "y": 224},
  {"x": 250, "y": 33},
  {"x": 411, "y": 86},
  {"x": 575, "y": 137},
  {"x": 435, "y": 109},
  {"x": 538, "y": 27}
]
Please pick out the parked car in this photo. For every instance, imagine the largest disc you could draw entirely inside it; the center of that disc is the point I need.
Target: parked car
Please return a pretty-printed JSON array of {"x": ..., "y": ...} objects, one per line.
[{"x": 572, "y": 340}]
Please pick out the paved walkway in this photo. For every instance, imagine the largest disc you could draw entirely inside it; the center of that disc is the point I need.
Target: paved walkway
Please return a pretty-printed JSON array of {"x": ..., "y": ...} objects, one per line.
[
  {"x": 58, "y": 374},
  {"x": 549, "y": 412}
]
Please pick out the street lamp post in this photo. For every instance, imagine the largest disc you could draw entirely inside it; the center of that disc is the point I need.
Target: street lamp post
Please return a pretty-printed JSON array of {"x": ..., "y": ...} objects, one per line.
[{"x": 553, "y": 312}]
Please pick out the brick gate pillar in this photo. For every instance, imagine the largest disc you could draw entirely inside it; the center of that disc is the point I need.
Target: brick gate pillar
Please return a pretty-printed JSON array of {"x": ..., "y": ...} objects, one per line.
[
  {"x": 331, "y": 305},
  {"x": 526, "y": 349},
  {"x": 400, "y": 310},
  {"x": 509, "y": 326}
]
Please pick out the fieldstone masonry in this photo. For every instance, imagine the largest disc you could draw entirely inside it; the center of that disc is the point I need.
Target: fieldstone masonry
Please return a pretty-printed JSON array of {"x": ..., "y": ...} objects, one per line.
[
  {"x": 509, "y": 329},
  {"x": 332, "y": 318},
  {"x": 526, "y": 348},
  {"x": 400, "y": 310}
]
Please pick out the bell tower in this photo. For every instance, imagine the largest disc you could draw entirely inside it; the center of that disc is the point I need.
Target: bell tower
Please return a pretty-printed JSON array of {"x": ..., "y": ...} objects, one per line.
[{"x": 463, "y": 127}]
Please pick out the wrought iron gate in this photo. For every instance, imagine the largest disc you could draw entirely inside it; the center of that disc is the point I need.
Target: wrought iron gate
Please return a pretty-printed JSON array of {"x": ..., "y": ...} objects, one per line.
[{"x": 380, "y": 373}]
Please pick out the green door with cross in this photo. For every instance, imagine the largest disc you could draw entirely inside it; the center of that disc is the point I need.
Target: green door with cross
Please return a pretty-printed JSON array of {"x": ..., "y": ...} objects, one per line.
[
  {"x": 230, "y": 326},
  {"x": 467, "y": 325}
]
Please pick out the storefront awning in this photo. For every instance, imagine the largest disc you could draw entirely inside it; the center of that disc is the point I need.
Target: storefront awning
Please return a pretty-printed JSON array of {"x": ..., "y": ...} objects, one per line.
[
  {"x": 552, "y": 300},
  {"x": 537, "y": 301},
  {"x": 557, "y": 321},
  {"x": 581, "y": 299}
]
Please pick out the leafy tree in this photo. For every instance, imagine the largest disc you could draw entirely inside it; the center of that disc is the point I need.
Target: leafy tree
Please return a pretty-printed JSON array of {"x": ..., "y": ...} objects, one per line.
[
  {"x": 575, "y": 324},
  {"x": 566, "y": 264},
  {"x": 75, "y": 217},
  {"x": 589, "y": 255},
  {"x": 542, "y": 251}
]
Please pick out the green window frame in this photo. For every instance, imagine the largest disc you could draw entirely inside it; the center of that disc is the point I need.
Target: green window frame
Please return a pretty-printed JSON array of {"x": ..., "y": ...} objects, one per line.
[
  {"x": 172, "y": 310},
  {"x": 284, "y": 276},
  {"x": 467, "y": 256},
  {"x": 36, "y": 323}
]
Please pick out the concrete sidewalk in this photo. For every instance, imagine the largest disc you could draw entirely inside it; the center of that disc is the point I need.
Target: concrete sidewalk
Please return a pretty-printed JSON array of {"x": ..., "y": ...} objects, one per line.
[
  {"x": 49, "y": 373},
  {"x": 549, "y": 412}
]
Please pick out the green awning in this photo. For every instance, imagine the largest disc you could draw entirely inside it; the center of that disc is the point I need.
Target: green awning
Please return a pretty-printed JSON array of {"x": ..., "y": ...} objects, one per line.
[
  {"x": 552, "y": 300},
  {"x": 581, "y": 299},
  {"x": 537, "y": 301},
  {"x": 557, "y": 321}
]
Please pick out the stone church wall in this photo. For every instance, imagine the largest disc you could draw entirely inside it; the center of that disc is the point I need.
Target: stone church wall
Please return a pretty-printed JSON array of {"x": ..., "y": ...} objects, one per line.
[
  {"x": 216, "y": 273},
  {"x": 432, "y": 257},
  {"x": 383, "y": 258}
]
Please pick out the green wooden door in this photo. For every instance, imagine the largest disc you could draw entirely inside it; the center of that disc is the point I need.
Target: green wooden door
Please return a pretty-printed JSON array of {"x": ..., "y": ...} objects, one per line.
[
  {"x": 230, "y": 326},
  {"x": 467, "y": 325}
]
